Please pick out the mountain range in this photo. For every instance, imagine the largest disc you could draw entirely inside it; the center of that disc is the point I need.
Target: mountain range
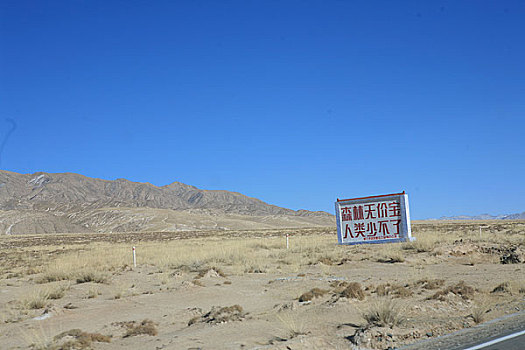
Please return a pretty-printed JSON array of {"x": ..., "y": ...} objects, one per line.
[
  {"x": 65, "y": 202},
  {"x": 517, "y": 216}
]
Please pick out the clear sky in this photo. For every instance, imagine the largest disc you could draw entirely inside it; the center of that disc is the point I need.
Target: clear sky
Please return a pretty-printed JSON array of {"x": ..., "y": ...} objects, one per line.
[{"x": 293, "y": 102}]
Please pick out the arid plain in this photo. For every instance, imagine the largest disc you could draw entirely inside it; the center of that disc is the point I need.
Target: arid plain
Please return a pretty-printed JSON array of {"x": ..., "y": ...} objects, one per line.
[{"x": 244, "y": 289}]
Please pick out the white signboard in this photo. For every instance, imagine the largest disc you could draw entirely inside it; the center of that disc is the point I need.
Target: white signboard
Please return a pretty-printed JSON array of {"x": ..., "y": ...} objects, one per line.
[{"x": 375, "y": 219}]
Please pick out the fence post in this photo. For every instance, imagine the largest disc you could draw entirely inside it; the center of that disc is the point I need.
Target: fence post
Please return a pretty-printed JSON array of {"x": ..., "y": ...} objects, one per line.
[
  {"x": 134, "y": 258},
  {"x": 287, "y": 244}
]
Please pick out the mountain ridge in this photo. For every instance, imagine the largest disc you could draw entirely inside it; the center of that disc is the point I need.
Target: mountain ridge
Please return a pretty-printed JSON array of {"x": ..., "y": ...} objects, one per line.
[
  {"x": 515, "y": 216},
  {"x": 60, "y": 202}
]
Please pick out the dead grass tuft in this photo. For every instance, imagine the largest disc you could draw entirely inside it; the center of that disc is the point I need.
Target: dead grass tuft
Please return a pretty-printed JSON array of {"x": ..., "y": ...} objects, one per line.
[
  {"x": 91, "y": 276},
  {"x": 211, "y": 271},
  {"x": 427, "y": 283},
  {"x": 460, "y": 289},
  {"x": 502, "y": 288},
  {"x": 353, "y": 291},
  {"x": 81, "y": 340},
  {"x": 58, "y": 292},
  {"x": 391, "y": 258},
  {"x": 220, "y": 315},
  {"x": 393, "y": 290},
  {"x": 38, "y": 299},
  {"x": 385, "y": 313},
  {"x": 312, "y": 294},
  {"x": 147, "y": 327}
]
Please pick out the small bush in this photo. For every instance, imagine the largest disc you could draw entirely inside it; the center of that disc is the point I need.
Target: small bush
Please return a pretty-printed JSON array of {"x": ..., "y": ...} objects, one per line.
[
  {"x": 502, "y": 288},
  {"x": 36, "y": 300},
  {"x": 91, "y": 276},
  {"x": 82, "y": 340},
  {"x": 353, "y": 291},
  {"x": 430, "y": 283},
  {"x": 220, "y": 315},
  {"x": 93, "y": 293},
  {"x": 293, "y": 324},
  {"x": 478, "y": 313},
  {"x": 58, "y": 292},
  {"x": 391, "y": 258},
  {"x": 212, "y": 271},
  {"x": 461, "y": 289},
  {"x": 147, "y": 327},
  {"x": 393, "y": 290},
  {"x": 312, "y": 294},
  {"x": 384, "y": 314}
]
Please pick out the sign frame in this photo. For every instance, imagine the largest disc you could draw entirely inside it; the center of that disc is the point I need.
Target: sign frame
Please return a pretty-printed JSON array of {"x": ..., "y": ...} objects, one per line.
[{"x": 405, "y": 230}]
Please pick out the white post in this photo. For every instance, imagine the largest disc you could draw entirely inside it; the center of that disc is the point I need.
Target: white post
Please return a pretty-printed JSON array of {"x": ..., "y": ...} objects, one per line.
[
  {"x": 480, "y": 232},
  {"x": 287, "y": 244},
  {"x": 134, "y": 258}
]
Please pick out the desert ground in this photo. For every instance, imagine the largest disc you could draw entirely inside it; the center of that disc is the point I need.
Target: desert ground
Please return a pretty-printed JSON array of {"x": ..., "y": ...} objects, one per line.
[{"x": 246, "y": 290}]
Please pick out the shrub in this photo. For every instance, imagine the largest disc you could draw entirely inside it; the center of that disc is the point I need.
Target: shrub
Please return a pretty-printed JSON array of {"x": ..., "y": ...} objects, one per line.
[
  {"x": 461, "y": 289},
  {"x": 312, "y": 294},
  {"x": 353, "y": 290},
  {"x": 502, "y": 288},
  {"x": 220, "y": 315},
  {"x": 385, "y": 313},
  {"x": 147, "y": 327}
]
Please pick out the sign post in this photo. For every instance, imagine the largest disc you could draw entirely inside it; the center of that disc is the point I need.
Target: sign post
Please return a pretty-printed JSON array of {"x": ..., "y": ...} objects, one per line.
[{"x": 374, "y": 219}]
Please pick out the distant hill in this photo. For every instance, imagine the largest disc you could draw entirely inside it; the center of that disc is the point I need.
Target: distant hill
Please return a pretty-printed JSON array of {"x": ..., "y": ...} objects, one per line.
[
  {"x": 517, "y": 216},
  {"x": 48, "y": 203}
]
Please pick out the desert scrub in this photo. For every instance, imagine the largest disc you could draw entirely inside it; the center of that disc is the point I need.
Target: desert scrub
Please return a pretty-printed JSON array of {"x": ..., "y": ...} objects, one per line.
[
  {"x": 479, "y": 310},
  {"x": 349, "y": 290},
  {"x": 81, "y": 340},
  {"x": 429, "y": 283},
  {"x": 422, "y": 244},
  {"x": 502, "y": 288},
  {"x": 220, "y": 315},
  {"x": 394, "y": 290},
  {"x": 91, "y": 276},
  {"x": 58, "y": 291},
  {"x": 93, "y": 293},
  {"x": 292, "y": 323},
  {"x": 384, "y": 313},
  {"x": 461, "y": 289},
  {"x": 147, "y": 327},
  {"x": 37, "y": 299},
  {"x": 312, "y": 294}
]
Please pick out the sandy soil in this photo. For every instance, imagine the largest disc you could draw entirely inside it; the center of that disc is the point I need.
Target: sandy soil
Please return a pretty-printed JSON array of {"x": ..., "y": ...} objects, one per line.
[{"x": 181, "y": 305}]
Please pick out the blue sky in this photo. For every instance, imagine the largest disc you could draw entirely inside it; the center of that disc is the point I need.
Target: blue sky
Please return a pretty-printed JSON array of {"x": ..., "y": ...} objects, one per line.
[{"x": 293, "y": 102}]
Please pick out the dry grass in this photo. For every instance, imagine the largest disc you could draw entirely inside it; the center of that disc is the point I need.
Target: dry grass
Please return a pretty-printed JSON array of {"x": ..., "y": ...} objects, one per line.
[
  {"x": 147, "y": 327},
  {"x": 58, "y": 291},
  {"x": 502, "y": 288},
  {"x": 480, "y": 310},
  {"x": 311, "y": 258},
  {"x": 292, "y": 323},
  {"x": 352, "y": 290},
  {"x": 423, "y": 243},
  {"x": 461, "y": 289},
  {"x": 81, "y": 340},
  {"x": 384, "y": 313},
  {"x": 220, "y": 315},
  {"x": 312, "y": 294},
  {"x": 37, "y": 299},
  {"x": 430, "y": 283},
  {"x": 394, "y": 290},
  {"x": 93, "y": 292}
]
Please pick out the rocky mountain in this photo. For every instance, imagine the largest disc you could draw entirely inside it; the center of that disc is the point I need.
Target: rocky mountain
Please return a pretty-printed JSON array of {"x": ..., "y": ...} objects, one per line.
[
  {"x": 48, "y": 203},
  {"x": 517, "y": 216}
]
